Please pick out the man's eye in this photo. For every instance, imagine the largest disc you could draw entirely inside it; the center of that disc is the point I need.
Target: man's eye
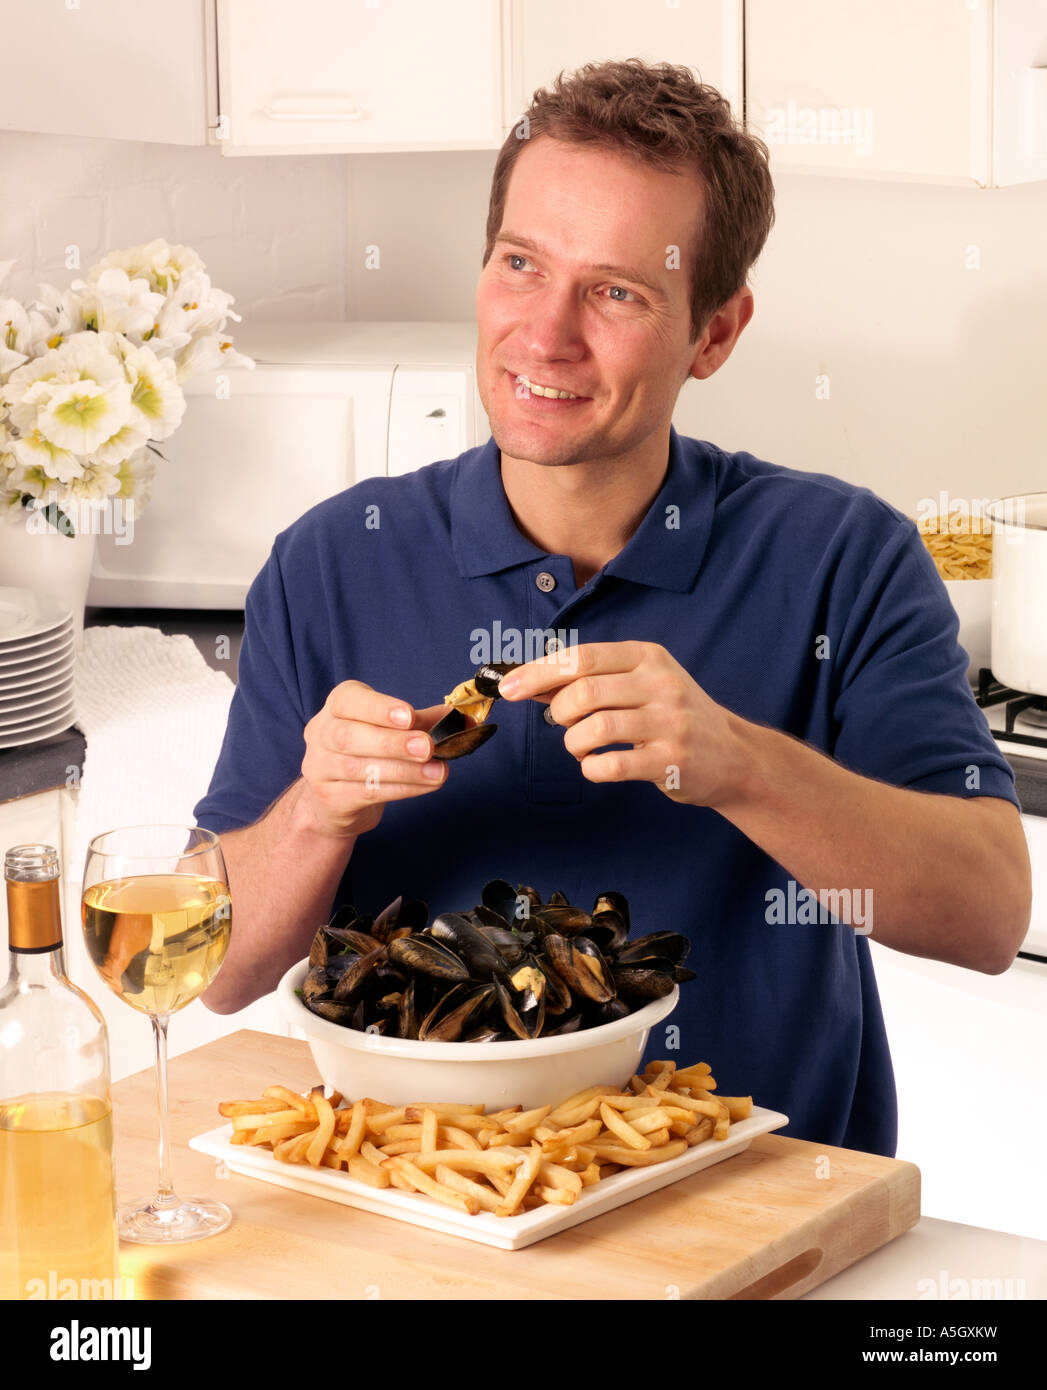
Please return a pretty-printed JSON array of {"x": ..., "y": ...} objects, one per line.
[
  {"x": 515, "y": 256},
  {"x": 624, "y": 291}
]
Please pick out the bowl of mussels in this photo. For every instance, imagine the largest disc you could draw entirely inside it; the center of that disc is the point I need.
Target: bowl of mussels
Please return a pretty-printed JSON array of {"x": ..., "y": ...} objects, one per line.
[{"x": 515, "y": 1000}]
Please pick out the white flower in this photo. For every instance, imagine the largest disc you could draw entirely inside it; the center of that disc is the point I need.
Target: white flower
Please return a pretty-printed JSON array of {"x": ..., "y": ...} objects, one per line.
[
  {"x": 20, "y": 331},
  {"x": 116, "y": 303},
  {"x": 38, "y": 456},
  {"x": 161, "y": 264},
  {"x": 156, "y": 398},
  {"x": 135, "y": 476},
  {"x": 76, "y": 397}
]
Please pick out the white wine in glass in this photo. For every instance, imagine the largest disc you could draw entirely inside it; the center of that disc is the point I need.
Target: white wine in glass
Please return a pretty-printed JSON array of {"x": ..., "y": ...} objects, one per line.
[{"x": 157, "y": 918}]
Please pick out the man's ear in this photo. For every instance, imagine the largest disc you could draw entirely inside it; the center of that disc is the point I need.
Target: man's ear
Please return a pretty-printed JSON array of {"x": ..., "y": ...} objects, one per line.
[{"x": 721, "y": 333}]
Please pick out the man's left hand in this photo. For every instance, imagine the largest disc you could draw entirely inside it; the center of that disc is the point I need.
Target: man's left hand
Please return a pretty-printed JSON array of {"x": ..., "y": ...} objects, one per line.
[{"x": 636, "y": 693}]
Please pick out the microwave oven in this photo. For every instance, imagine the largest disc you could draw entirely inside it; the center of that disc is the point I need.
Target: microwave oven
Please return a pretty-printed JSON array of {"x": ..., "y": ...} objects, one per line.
[{"x": 326, "y": 405}]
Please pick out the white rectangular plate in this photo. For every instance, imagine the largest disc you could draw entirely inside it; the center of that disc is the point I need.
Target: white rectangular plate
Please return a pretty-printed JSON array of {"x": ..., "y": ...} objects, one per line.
[{"x": 505, "y": 1232}]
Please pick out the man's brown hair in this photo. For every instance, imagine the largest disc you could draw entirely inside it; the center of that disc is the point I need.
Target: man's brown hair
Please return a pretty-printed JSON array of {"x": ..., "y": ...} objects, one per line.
[{"x": 661, "y": 115}]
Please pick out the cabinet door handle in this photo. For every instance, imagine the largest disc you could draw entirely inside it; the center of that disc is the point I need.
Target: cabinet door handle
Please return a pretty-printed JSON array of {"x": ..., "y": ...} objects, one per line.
[{"x": 291, "y": 113}]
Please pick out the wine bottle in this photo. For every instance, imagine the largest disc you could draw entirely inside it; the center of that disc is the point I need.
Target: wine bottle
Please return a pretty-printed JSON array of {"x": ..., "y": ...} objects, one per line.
[{"x": 57, "y": 1190}]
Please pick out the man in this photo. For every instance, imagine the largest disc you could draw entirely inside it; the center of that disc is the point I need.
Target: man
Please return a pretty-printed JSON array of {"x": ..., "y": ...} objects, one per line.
[{"x": 766, "y": 657}]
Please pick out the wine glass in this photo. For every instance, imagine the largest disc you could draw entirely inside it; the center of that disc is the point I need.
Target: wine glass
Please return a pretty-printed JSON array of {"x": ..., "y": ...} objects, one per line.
[{"x": 156, "y": 918}]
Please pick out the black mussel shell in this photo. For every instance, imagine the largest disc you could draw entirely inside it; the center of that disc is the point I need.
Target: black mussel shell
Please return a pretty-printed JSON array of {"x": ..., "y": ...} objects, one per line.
[
  {"x": 667, "y": 945},
  {"x": 332, "y": 1010},
  {"x": 569, "y": 1025},
  {"x": 637, "y": 983},
  {"x": 469, "y": 942},
  {"x": 608, "y": 1012},
  {"x": 489, "y": 677},
  {"x": 317, "y": 984},
  {"x": 500, "y": 897},
  {"x": 318, "y": 949},
  {"x": 563, "y": 918},
  {"x": 423, "y": 954},
  {"x": 387, "y": 919},
  {"x": 353, "y": 977},
  {"x": 461, "y": 1007},
  {"x": 344, "y": 916},
  {"x": 511, "y": 945},
  {"x": 613, "y": 902},
  {"x": 581, "y": 966},
  {"x": 464, "y": 741},
  {"x": 349, "y": 938},
  {"x": 522, "y": 999}
]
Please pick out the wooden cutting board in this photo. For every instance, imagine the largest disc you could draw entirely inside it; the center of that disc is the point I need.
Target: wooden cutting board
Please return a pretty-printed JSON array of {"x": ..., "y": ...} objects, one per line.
[{"x": 772, "y": 1222}]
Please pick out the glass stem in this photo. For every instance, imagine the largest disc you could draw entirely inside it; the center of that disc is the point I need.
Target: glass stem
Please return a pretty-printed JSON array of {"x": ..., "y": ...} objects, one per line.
[{"x": 165, "y": 1195}]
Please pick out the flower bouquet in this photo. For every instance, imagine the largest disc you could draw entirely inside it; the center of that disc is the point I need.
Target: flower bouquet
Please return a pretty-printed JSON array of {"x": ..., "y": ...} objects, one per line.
[{"x": 90, "y": 380}]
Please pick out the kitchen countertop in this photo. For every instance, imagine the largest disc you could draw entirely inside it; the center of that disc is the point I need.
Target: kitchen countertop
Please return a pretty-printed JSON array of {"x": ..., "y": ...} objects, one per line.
[
  {"x": 40, "y": 766},
  {"x": 287, "y": 1245}
]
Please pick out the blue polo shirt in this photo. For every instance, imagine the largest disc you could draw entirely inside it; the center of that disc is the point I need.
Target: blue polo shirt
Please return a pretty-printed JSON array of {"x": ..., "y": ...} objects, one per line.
[{"x": 794, "y": 599}]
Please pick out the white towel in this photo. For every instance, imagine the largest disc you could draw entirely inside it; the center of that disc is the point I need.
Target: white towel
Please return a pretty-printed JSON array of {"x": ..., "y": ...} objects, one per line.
[{"x": 154, "y": 714}]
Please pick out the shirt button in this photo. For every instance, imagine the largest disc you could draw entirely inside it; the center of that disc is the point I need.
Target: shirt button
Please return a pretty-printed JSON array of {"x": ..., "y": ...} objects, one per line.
[
  {"x": 546, "y": 581},
  {"x": 548, "y": 716}
]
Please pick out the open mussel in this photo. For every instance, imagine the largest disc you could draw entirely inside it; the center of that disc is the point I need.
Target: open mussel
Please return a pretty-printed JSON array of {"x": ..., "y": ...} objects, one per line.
[
  {"x": 456, "y": 1011},
  {"x": 463, "y": 729}
]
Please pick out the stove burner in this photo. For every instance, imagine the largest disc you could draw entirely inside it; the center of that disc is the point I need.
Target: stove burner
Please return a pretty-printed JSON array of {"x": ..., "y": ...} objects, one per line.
[
  {"x": 1036, "y": 713},
  {"x": 1031, "y": 710}
]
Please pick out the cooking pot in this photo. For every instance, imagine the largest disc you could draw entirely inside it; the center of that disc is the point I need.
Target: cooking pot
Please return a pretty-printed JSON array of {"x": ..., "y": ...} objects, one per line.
[{"x": 1019, "y": 600}]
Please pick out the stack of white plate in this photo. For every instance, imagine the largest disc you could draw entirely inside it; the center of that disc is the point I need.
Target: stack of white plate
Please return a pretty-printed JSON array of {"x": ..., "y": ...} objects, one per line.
[{"x": 36, "y": 667}]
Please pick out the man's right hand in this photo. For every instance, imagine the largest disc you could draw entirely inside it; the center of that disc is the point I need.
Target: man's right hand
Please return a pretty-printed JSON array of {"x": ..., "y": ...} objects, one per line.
[{"x": 364, "y": 749}]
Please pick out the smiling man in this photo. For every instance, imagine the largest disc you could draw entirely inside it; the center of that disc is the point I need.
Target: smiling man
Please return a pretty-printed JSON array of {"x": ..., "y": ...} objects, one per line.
[{"x": 761, "y": 732}]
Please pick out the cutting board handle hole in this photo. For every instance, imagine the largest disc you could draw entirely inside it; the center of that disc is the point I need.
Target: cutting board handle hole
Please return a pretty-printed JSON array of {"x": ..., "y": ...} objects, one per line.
[{"x": 793, "y": 1272}]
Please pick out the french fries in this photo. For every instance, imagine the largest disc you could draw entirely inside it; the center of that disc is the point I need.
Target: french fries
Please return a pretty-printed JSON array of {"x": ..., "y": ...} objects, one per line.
[{"x": 508, "y": 1162}]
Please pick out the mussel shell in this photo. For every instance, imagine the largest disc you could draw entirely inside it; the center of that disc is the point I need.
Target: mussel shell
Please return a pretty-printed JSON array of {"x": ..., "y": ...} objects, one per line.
[
  {"x": 332, "y": 1010},
  {"x": 488, "y": 678},
  {"x": 563, "y": 918},
  {"x": 462, "y": 1005},
  {"x": 613, "y": 902},
  {"x": 511, "y": 945},
  {"x": 469, "y": 942},
  {"x": 527, "y": 1024},
  {"x": 457, "y": 745},
  {"x": 558, "y": 997},
  {"x": 407, "y": 1013},
  {"x": 637, "y": 982},
  {"x": 569, "y": 959},
  {"x": 571, "y": 1024},
  {"x": 387, "y": 919},
  {"x": 357, "y": 972},
  {"x": 672, "y": 946},
  {"x": 359, "y": 941},
  {"x": 344, "y": 916},
  {"x": 318, "y": 948},
  {"x": 317, "y": 984},
  {"x": 609, "y": 1012},
  {"x": 423, "y": 954}
]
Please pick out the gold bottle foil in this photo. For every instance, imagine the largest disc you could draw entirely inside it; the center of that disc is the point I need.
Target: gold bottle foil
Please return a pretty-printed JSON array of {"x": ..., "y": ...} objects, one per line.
[{"x": 34, "y": 909}]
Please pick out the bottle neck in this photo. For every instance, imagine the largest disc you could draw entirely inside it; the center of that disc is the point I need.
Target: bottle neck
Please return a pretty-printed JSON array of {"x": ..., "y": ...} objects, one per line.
[{"x": 37, "y": 967}]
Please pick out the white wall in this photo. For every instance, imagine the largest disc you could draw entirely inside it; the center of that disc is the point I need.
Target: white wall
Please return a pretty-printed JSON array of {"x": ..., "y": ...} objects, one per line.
[{"x": 271, "y": 231}]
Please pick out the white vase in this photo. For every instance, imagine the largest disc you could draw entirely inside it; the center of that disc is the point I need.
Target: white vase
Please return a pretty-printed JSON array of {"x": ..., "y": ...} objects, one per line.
[{"x": 48, "y": 563}]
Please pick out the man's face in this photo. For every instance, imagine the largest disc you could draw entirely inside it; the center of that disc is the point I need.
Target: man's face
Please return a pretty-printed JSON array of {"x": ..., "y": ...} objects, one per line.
[{"x": 553, "y": 316}]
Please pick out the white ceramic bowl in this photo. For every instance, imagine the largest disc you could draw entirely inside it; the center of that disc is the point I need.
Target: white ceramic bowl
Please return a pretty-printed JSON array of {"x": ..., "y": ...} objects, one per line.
[{"x": 494, "y": 1074}]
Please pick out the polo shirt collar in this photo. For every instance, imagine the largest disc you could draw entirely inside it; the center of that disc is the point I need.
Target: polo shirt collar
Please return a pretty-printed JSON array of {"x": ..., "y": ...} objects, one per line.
[{"x": 664, "y": 552}]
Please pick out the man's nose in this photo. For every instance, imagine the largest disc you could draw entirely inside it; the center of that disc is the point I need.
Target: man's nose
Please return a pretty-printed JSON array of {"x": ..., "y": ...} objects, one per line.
[{"x": 553, "y": 326}]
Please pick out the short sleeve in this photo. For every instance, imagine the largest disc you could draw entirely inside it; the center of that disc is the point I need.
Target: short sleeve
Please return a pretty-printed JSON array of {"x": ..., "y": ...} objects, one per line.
[
  {"x": 903, "y": 709},
  {"x": 264, "y": 742}
]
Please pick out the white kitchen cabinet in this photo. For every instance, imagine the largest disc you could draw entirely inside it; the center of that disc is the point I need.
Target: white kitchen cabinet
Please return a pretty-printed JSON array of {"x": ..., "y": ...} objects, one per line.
[
  {"x": 548, "y": 35},
  {"x": 358, "y": 76},
  {"x": 110, "y": 68},
  {"x": 951, "y": 91}
]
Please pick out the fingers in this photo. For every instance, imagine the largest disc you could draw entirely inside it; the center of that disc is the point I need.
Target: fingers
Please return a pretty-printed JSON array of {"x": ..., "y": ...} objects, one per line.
[
  {"x": 559, "y": 668},
  {"x": 364, "y": 749},
  {"x": 599, "y": 692}
]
